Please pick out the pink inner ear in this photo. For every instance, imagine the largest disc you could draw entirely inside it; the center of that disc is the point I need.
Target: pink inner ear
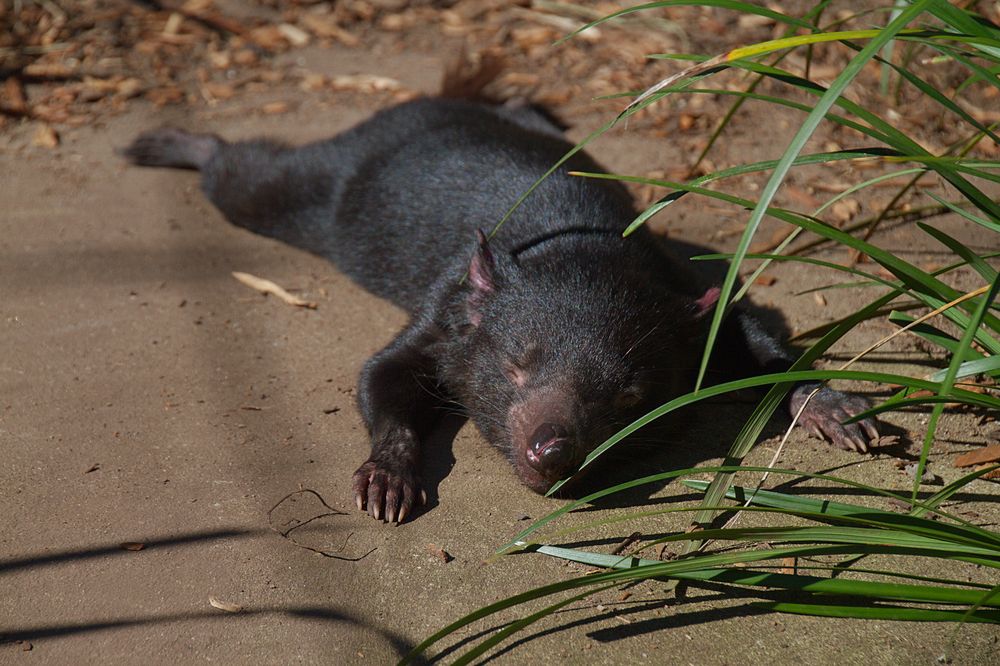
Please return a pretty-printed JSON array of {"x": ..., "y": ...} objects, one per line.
[
  {"x": 480, "y": 274},
  {"x": 708, "y": 299},
  {"x": 481, "y": 266}
]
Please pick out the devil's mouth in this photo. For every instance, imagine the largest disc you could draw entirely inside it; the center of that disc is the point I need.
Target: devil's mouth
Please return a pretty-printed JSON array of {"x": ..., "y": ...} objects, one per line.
[{"x": 535, "y": 457}]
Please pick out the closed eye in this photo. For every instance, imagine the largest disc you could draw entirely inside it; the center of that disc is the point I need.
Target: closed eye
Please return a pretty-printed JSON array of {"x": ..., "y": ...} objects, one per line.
[
  {"x": 524, "y": 364},
  {"x": 628, "y": 398}
]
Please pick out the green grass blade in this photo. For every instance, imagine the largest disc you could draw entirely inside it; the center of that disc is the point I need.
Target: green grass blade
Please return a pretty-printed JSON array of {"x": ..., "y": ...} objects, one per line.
[
  {"x": 809, "y": 126},
  {"x": 964, "y": 21},
  {"x": 811, "y": 584},
  {"x": 513, "y": 627},
  {"x": 929, "y": 333},
  {"x": 900, "y": 403},
  {"x": 925, "y": 286},
  {"x": 815, "y": 509},
  {"x": 870, "y": 277},
  {"x": 947, "y": 385},
  {"x": 992, "y": 225},
  {"x": 934, "y": 94},
  {"x": 811, "y": 16},
  {"x": 741, "y": 7},
  {"x": 883, "y": 131},
  {"x": 901, "y": 613},
  {"x": 980, "y": 73},
  {"x": 942, "y": 495},
  {"x": 768, "y": 405},
  {"x": 855, "y": 536},
  {"x": 979, "y": 366},
  {"x": 783, "y": 378},
  {"x": 618, "y": 576},
  {"x": 988, "y": 273},
  {"x": 520, "y": 540}
]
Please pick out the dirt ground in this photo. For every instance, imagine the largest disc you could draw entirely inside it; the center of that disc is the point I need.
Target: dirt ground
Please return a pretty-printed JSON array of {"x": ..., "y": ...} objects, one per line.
[{"x": 153, "y": 410}]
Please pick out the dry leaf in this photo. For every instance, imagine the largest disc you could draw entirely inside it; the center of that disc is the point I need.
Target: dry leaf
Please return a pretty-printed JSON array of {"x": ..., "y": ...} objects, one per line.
[
  {"x": 800, "y": 196},
  {"x": 245, "y": 57},
  {"x": 748, "y": 21},
  {"x": 224, "y": 605},
  {"x": 45, "y": 136},
  {"x": 519, "y": 79},
  {"x": 312, "y": 82},
  {"x": 820, "y": 299},
  {"x": 777, "y": 238},
  {"x": 173, "y": 24},
  {"x": 14, "y": 100},
  {"x": 165, "y": 95},
  {"x": 528, "y": 37},
  {"x": 219, "y": 90},
  {"x": 765, "y": 280},
  {"x": 268, "y": 287},
  {"x": 995, "y": 474},
  {"x": 987, "y": 454},
  {"x": 397, "y": 22},
  {"x": 364, "y": 83},
  {"x": 325, "y": 27},
  {"x": 274, "y": 108},
  {"x": 269, "y": 38},
  {"x": 296, "y": 36},
  {"x": 129, "y": 87},
  {"x": 845, "y": 209},
  {"x": 47, "y": 70},
  {"x": 440, "y": 553}
]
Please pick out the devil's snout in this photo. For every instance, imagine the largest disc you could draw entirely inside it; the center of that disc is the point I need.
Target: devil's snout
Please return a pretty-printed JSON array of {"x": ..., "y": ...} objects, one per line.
[{"x": 551, "y": 450}]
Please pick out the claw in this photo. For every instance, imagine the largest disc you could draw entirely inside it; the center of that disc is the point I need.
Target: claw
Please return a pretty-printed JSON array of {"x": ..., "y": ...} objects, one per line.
[
  {"x": 825, "y": 414},
  {"x": 870, "y": 429},
  {"x": 387, "y": 490}
]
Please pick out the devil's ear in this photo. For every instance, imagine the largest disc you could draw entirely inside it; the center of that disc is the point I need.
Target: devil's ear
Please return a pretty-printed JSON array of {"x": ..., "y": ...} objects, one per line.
[
  {"x": 482, "y": 278},
  {"x": 703, "y": 305},
  {"x": 482, "y": 268}
]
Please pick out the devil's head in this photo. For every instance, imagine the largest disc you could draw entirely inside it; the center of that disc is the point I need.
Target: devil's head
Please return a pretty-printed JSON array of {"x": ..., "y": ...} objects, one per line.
[{"x": 554, "y": 359}]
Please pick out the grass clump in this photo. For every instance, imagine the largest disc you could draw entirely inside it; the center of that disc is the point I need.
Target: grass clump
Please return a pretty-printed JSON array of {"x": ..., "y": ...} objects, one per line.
[{"x": 830, "y": 545}]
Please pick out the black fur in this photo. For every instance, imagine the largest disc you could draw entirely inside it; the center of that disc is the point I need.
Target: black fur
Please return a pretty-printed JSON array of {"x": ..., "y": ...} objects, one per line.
[{"x": 561, "y": 330}]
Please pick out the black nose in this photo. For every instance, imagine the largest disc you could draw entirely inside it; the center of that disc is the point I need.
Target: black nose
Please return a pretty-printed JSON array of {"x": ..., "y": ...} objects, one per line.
[{"x": 551, "y": 450}]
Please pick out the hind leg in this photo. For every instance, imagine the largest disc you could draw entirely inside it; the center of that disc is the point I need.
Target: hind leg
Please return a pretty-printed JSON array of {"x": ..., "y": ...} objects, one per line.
[
  {"x": 826, "y": 411},
  {"x": 170, "y": 147},
  {"x": 260, "y": 185}
]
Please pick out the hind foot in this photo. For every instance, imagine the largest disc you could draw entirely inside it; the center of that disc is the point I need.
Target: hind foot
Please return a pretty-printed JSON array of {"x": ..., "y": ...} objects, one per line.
[
  {"x": 825, "y": 414},
  {"x": 171, "y": 147}
]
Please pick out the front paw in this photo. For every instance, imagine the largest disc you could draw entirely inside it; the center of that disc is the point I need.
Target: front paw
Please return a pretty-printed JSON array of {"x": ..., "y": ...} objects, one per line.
[
  {"x": 826, "y": 412},
  {"x": 389, "y": 489}
]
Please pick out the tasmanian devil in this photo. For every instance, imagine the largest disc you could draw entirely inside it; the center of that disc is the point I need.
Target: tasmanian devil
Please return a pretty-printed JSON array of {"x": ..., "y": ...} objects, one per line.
[{"x": 551, "y": 336}]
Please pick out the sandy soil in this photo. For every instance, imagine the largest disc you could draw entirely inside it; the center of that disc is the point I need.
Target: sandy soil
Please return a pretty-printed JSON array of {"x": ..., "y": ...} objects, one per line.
[{"x": 148, "y": 397}]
